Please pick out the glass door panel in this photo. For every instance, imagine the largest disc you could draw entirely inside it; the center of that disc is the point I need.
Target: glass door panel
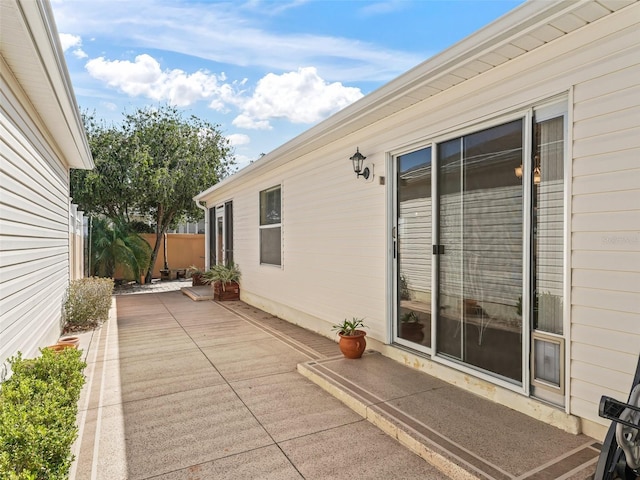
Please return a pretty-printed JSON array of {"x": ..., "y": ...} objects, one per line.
[
  {"x": 220, "y": 257},
  {"x": 480, "y": 271},
  {"x": 449, "y": 327},
  {"x": 547, "y": 306},
  {"x": 413, "y": 247}
]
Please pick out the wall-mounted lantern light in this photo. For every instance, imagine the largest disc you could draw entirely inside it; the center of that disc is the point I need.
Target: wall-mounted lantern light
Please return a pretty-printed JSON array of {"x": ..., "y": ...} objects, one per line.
[
  {"x": 536, "y": 174},
  {"x": 358, "y": 160}
]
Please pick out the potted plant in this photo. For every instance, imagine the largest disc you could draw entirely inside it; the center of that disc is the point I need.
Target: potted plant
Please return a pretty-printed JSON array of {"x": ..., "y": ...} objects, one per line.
[
  {"x": 196, "y": 276},
  {"x": 411, "y": 327},
  {"x": 224, "y": 279},
  {"x": 352, "y": 342}
]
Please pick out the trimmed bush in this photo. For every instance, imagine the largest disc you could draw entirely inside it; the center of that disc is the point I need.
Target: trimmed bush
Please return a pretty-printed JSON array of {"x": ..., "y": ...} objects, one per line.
[
  {"x": 38, "y": 407},
  {"x": 87, "y": 302}
]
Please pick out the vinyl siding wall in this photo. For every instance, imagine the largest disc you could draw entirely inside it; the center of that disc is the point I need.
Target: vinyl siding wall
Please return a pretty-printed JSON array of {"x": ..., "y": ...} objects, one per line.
[
  {"x": 335, "y": 230},
  {"x": 605, "y": 310},
  {"x": 34, "y": 229}
]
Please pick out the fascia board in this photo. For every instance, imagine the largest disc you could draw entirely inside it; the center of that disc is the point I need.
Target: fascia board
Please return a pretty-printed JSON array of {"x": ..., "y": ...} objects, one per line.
[{"x": 63, "y": 120}]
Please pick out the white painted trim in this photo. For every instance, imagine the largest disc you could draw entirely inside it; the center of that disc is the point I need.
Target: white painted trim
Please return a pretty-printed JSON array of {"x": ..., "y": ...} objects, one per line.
[
  {"x": 391, "y": 276},
  {"x": 527, "y": 244},
  {"x": 568, "y": 183}
]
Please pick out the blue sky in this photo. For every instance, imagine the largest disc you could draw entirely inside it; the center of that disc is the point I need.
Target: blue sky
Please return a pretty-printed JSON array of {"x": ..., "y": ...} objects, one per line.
[{"x": 264, "y": 71}]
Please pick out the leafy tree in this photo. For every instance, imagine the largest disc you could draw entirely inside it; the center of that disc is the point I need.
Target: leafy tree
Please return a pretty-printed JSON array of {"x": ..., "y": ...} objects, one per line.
[
  {"x": 152, "y": 166},
  {"x": 109, "y": 188}
]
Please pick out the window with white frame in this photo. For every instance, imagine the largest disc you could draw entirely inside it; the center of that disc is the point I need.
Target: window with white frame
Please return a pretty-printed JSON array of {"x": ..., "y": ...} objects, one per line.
[{"x": 271, "y": 226}]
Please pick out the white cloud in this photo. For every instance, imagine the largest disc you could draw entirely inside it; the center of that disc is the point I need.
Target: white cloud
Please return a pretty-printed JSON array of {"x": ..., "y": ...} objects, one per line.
[
  {"x": 144, "y": 77},
  {"x": 236, "y": 139},
  {"x": 245, "y": 121},
  {"x": 79, "y": 53},
  {"x": 243, "y": 161},
  {"x": 67, "y": 40},
  {"x": 70, "y": 41},
  {"x": 112, "y": 107},
  {"x": 300, "y": 97},
  {"x": 233, "y": 33},
  {"x": 383, "y": 8}
]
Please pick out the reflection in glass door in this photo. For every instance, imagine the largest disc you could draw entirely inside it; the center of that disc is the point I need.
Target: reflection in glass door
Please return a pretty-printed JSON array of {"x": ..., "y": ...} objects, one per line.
[
  {"x": 220, "y": 237},
  {"x": 413, "y": 247},
  {"x": 480, "y": 271}
]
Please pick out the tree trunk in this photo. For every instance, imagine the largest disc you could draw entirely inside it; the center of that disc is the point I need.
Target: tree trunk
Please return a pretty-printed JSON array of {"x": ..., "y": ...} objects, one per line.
[
  {"x": 161, "y": 227},
  {"x": 154, "y": 256}
]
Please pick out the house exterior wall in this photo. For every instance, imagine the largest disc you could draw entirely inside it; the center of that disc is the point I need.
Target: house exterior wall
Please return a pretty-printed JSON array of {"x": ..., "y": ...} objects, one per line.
[
  {"x": 605, "y": 258},
  {"x": 335, "y": 229},
  {"x": 41, "y": 138},
  {"x": 34, "y": 228}
]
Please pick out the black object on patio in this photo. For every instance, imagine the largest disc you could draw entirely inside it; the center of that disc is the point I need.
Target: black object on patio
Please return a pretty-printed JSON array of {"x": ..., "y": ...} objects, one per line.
[{"x": 620, "y": 453}]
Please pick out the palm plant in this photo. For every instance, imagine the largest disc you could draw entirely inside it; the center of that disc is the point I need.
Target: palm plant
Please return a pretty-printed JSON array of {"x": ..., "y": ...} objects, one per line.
[
  {"x": 350, "y": 327},
  {"x": 114, "y": 245}
]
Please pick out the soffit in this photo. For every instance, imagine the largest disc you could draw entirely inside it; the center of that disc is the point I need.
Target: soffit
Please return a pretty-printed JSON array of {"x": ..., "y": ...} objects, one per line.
[
  {"x": 30, "y": 47},
  {"x": 526, "y": 28}
]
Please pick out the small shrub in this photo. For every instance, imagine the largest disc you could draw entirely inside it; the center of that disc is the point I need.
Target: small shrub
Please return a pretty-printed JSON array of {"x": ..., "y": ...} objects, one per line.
[
  {"x": 87, "y": 302},
  {"x": 222, "y": 273},
  {"x": 38, "y": 407},
  {"x": 350, "y": 327}
]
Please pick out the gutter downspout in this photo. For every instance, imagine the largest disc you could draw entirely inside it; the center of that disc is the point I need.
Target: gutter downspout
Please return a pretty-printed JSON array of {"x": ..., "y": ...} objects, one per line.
[{"x": 206, "y": 232}]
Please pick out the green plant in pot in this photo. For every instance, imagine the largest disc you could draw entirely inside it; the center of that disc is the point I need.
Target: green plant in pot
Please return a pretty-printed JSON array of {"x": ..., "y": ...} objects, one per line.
[
  {"x": 196, "y": 276},
  {"x": 225, "y": 281},
  {"x": 411, "y": 327},
  {"x": 352, "y": 342}
]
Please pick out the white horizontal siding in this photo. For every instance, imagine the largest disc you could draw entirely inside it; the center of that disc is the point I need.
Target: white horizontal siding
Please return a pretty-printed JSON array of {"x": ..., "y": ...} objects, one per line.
[
  {"x": 335, "y": 231},
  {"x": 491, "y": 259},
  {"x": 34, "y": 231},
  {"x": 414, "y": 234},
  {"x": 605, "y": 336}
]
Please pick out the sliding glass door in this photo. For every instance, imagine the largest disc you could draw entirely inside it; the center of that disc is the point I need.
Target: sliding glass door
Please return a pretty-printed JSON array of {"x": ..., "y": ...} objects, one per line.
[
  {"x": 412, "y": 239},
  {"x": 479, "y": 249}
]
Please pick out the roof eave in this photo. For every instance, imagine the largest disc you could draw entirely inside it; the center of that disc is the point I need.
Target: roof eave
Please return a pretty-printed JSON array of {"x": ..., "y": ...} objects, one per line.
[{"x": 60, "y": 113}]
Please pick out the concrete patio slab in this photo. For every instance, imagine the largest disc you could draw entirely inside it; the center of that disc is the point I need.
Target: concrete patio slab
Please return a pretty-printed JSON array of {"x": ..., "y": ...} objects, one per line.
[
  {"x": 464, "y": 435},
  {"x": 290, "y": 406},
  {"x": 333, "y": 454},
  {"x": 214, "y": 393},
  {"x": 243, "y": 360},
  {"x": 164, "y": 373},
  {"x": 225, "y": 333},
  {"x": 187, "y": 428},
  {"x": 198, "y": 294},
  {"x": 267, "y": 463},
  {"x": 214, "y": 411}
]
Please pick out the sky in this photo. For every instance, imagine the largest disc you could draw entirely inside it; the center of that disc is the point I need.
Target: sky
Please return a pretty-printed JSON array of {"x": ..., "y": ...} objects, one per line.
[{"x": 262, "y": 71}]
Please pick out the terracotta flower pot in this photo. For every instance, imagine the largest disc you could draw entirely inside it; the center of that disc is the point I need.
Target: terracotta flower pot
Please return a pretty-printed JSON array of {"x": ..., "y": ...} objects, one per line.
[
  {"x": 59, "y": 347},
  {"x": 353, "y": 346},
  {"x": 412, "y": 331},
  {"x": 228, "y": 291},
  {"x": 75, "y": 340}
]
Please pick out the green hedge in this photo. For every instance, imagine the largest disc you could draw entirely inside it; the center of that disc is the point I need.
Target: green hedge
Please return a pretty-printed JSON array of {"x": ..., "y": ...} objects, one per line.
[{"x": 38, "y": 407}]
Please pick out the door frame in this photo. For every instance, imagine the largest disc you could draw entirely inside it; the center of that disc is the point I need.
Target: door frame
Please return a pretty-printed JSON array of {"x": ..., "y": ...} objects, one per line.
[
  {"x": 526, "y": 115},
  {"x": 220, "y": 238}
]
